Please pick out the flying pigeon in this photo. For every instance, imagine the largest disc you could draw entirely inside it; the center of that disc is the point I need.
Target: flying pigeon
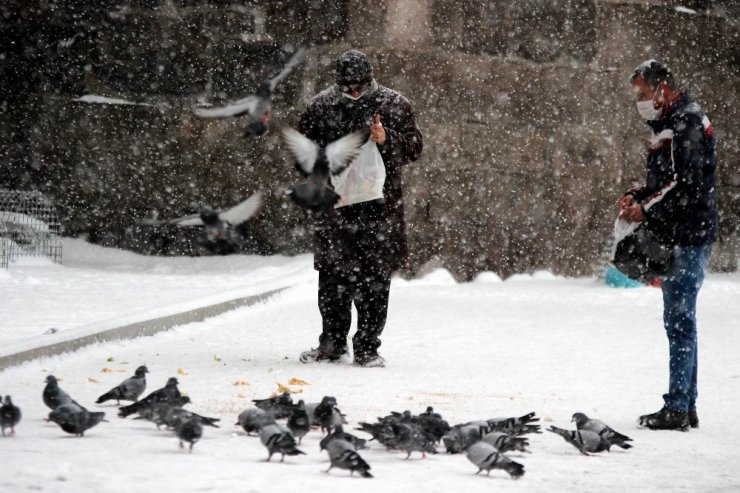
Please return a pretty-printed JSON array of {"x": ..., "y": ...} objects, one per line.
[
  {"x": 168, "y": 393},
  {"x": 318, "y": 163},
  {"x": 189, "y": 430},
  {"x": 10, "y": 415},
  {"x": 278, "y": 440},
  {"x": 75, "y": 419},
  {"x": 343, "y": 455},
  {"x": 299, "y": 423},
  {"x": 487, "y": 457},
  {"x": 128, "y": 390},
  {"x": 253, "y": 419},
  {"x": 219, "y": 226},
  {"x": 583, "y": 422},
  {"x": 585, "y": 441},
  {"x": 256, "y": 106},
  {"x": 53, "y": 395}
]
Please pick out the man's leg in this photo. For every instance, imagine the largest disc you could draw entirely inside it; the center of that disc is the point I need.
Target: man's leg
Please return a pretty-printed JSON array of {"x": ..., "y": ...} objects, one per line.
[
  {"x": 371, "y": 302},
  {"x": 680, "y": 290},
  {"x": 335, "y": 305}
]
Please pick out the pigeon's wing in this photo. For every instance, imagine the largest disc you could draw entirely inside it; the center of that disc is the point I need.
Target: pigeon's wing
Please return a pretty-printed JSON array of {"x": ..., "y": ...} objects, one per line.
[
  {"x": 242, "y": 211},
  {"x": 294, "y": 61},
  {"x": 237, "y": 108},
  {"x": 304, "y": 149},
  {"x": 342, "y": 152},
  {"x": 185, "y": 221}
]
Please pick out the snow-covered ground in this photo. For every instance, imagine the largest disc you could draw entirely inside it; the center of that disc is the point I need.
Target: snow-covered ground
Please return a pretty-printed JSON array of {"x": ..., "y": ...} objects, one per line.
[{"x": 476, "y": 350}]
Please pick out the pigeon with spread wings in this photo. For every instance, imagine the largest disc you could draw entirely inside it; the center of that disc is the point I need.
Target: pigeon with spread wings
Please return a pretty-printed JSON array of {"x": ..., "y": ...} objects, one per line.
[
  {"x": 318, "y": 163},
  {"x": 221, "y": 236},
  {"x": 257, "y": 106}
]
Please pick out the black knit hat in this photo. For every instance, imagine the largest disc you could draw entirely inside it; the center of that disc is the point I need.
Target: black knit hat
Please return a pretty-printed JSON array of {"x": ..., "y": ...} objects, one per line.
[
  {"x": 654, "y": 73},
  {"x": 353, "y": 67}
]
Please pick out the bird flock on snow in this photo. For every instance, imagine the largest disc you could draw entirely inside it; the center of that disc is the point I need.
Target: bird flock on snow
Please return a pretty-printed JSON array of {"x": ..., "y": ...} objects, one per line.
[{"x": 281, "y": 424}]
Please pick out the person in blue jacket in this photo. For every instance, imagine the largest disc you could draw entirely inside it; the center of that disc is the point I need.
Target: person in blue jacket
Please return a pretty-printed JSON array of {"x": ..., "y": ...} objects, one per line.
[{"x": 679, "y": 205}]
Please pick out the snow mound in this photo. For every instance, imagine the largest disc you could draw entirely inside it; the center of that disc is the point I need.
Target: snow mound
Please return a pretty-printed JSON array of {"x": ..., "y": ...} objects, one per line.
[{"x": 487, "y": 278}]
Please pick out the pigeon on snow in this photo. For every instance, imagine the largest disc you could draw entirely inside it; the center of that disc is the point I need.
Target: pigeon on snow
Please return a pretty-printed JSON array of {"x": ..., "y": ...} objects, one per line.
[
  {"x": 318, "y": 163},
  {"x": 255, "y": 106},
  {"x": 168, "y": 393},
  {"x": 75, "y": 419},
  {"x": 585, "y": 441},
  {"x": 10, "y": 415},
  {"x": 190, "y": 430},
  {"x": 583, "y": 422},
  {"x": 299, "y": 423},
  {"x": 278, "y": 440},
  {"x": 128, "y": 390},
  {"x": 53, "y": 395},
  {"x": 343, "y": 455},
  {"x": 253, "y": 419},
  {"x": 487, "y": 457}
]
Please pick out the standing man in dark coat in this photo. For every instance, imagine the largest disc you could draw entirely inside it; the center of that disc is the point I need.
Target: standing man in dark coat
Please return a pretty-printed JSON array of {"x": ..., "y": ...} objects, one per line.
[
  {"x": 679, "y": 205},
  {"x": 358, "y": 246}
]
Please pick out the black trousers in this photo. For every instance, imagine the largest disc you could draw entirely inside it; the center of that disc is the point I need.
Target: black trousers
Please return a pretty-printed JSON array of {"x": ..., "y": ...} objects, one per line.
[{"x": 369, "y": 292}]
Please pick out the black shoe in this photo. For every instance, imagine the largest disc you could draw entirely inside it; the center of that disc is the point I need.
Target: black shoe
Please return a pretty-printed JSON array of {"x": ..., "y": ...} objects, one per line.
[
  {"x": 317, "y": 355},
  {"x": 693, "y": 418},
  {"x": 666, "y": 419}
]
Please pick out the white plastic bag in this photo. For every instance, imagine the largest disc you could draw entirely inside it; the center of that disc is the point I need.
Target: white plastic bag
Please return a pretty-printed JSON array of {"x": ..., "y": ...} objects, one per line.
[{"x": 363, "y": 179}]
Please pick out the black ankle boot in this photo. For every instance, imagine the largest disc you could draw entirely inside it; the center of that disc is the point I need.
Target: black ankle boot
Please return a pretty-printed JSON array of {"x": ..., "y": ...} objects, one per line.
[
  {"x": 666, "y": 419},
  {"x": 693, "y": 418}
]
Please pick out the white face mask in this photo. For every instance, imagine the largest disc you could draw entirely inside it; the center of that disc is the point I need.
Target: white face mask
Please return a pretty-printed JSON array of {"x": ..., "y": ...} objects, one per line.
[
  {"x": 647, "y": 110},
  {"x": 349, "y": 96}
]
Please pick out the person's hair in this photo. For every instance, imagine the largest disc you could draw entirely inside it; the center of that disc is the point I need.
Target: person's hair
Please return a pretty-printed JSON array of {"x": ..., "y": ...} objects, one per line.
[{"x": 654, "y": 73}]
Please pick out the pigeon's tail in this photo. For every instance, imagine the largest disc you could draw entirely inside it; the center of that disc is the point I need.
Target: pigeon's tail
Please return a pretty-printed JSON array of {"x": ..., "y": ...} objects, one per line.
[
  {"x": 366, "y": 474},
  {"x": 515, "y": 469},
  {"x": 313, "y": 196},
  {"x": 619, "y": 440},
  {"x": 210, "y": 421},
  {"x": 128, "y": 410},
  {"x": 559, "y": 431},
  {"x": 622, "y": 445},
  {"x": 110, "y": 395}
]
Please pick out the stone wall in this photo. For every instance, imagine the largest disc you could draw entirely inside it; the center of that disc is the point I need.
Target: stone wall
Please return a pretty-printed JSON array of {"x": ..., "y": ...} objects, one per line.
[{"x": 530, "y": 129}]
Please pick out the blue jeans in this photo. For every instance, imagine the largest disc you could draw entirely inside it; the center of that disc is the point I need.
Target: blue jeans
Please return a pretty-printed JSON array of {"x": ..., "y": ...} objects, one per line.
[{"x": 680, "y": 288}]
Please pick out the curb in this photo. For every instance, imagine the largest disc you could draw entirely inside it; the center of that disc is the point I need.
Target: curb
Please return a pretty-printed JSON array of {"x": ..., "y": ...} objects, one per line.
[{"x": 137, "y": 329}]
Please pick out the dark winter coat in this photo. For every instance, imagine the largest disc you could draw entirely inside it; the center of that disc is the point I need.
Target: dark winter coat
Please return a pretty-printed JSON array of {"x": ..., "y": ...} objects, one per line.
[
  {"x": 368, "y": 235},
  {"x": 680, "y": 195}
]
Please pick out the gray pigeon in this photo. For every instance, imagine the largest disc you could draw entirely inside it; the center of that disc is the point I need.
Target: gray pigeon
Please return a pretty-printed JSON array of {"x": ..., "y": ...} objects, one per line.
[
  {"x": 462, "y": 436},
  {"x": 343, "y": 455},
  {"x": 256, "y": 106},
  {"x": 189, "y": 430},
  {"x": 318, "y": 163},
  {"x": 583, "y": 422},
  {"x": 327, "y": 415},
  {"x": 515, "y": 426},
  {"x": 281, "y": 406},
  {"x": 299, "y": 423},
  {"x": 506, "y": 443},
  {"x": 128, "y": 390},
  {"x": 278, "y": 440},
  {"x": 339, "y": 434},
  {"x": 253, "y": 419},
  {"x": 75, "y": 419},
  {"x": 487, "y": 457},
  {"x": 157, "y": 412},
  {"x": 585, "y": 441},
  {"x": 53, "y": 395},
  {"x": 168, "y": 393},
  {"x": 413, "y": 438},
  {"x": 10, "y": 415}
]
